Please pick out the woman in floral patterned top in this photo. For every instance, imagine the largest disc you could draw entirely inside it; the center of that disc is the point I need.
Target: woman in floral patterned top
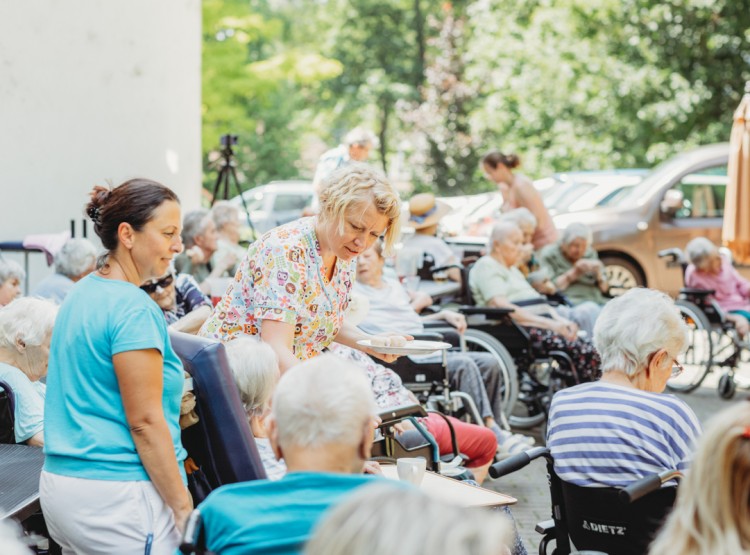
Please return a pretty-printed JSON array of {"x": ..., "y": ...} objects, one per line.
[{"x": 293, "y": 286}]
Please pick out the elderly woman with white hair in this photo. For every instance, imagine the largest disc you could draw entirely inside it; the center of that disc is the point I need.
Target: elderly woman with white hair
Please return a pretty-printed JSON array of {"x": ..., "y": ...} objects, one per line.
[
  {"x": 621, "y": 428},
  {"x": 11, "y": 276},
  {"x": 25, "y": 333},
  {"x": 710, "y": 270},
  {"x": 255, "y": 368},
  {"x": 294, "y": 284},
  {"x": 74, "y": 261},
  {"x": 575, "y": 267}
]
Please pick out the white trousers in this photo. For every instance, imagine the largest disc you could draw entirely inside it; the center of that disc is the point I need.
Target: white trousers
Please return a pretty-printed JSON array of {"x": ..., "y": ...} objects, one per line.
[{"x": 100, "y": 517}]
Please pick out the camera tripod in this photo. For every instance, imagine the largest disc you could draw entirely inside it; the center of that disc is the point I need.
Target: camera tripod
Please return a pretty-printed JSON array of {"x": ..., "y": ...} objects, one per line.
[{"x": 228, "y": 176}]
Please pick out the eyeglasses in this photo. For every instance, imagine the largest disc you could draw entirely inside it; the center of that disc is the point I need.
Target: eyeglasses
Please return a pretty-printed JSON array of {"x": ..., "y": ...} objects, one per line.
[
  {"x": 166, "y": 281},
  {"x": 677, "y": 368}
]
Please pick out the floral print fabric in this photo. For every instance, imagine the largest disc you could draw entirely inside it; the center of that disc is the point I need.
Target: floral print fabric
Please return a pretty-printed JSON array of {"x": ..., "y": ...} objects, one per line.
[{"x": 282, "y": 278}]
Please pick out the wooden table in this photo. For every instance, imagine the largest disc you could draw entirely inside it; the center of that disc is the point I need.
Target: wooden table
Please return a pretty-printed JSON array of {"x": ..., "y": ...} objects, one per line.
[
  {"x": 20, "y": 467},
  {"x": 453, "y": 491}
]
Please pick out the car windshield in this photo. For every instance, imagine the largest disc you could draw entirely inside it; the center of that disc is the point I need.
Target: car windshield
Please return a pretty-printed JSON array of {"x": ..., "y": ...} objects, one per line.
[{"x": 637, "y": 195}]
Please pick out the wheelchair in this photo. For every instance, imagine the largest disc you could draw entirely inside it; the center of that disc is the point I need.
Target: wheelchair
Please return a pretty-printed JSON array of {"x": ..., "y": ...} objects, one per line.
[
  {"x": 532, "y": 380},
  {"x": 614, "y": 521},
  {"x": 713, "y": 340},
  {"x": 7, "y": 414}
]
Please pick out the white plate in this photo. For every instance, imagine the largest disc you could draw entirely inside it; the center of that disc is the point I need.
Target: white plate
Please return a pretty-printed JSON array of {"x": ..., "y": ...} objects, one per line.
[{"x": 411, "y": 348}]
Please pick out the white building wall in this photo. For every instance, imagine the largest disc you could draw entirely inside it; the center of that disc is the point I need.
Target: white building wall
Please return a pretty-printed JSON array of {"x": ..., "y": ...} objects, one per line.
[{"x": 91, "y": 92}]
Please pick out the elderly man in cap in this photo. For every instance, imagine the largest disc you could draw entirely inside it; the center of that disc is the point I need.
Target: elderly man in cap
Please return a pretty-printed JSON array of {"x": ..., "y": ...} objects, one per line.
[
  {"x": 425, "y": 212},
  {"x": 356, "y": 147}
]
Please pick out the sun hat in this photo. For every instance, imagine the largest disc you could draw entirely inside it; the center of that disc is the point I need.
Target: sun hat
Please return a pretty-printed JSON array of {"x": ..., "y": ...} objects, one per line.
[{"x": 426, "y": 211}]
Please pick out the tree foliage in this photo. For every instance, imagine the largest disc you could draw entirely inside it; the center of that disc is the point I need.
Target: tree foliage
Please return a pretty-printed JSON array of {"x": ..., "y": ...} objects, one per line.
[{"x": 567, "y": 84}]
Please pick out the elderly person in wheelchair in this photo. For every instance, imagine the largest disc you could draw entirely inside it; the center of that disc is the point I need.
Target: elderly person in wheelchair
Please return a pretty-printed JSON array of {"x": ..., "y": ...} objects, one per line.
[
  {"x": 393, "y": 309},
  {"x": 575, "y": 267},
  {"x": 25, "y": 334},
  {"x": 618, "y": 429},
  {"x": 709, "y": 270},
  {"x": 495, "y": 282}
]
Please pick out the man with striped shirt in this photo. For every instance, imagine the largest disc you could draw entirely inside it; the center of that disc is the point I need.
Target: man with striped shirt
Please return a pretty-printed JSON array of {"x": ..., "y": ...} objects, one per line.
[{"x": 616, "y": 430}]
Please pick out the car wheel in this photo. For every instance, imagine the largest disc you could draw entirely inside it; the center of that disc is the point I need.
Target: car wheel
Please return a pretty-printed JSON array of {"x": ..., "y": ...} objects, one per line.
[{"x": 622, "y": 274}]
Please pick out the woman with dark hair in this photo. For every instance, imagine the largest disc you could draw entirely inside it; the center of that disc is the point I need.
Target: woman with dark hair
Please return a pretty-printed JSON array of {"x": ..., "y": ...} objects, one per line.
[
  {"x": 113, "y": 480},
  {"x": 518, "y": 192}
]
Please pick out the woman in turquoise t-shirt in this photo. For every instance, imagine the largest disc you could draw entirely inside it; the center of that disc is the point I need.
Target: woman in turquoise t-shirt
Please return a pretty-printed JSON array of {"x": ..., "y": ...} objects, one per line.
[{"x": 113, "y": 480}]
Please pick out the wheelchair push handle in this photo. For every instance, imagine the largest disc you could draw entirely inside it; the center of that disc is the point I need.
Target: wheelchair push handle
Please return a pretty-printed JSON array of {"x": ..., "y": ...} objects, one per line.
[
  {"x": 646, "y": 485},
  {"x": 516, "y": 462}
]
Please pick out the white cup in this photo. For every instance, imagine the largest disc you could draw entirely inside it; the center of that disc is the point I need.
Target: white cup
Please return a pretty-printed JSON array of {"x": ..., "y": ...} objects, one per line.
[{"x": 411, "y": 470}]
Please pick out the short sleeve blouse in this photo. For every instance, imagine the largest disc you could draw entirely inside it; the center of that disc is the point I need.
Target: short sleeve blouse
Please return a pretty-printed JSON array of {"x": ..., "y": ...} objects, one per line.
[{"x": 282, "y": 279}]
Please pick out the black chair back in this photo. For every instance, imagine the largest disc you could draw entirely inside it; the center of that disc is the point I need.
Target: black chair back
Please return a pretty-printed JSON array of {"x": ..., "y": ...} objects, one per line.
[
  {"x": 598, "y": 519},
  {"x": 221, "y": 443},
  {"x": 7, "y": 414}
]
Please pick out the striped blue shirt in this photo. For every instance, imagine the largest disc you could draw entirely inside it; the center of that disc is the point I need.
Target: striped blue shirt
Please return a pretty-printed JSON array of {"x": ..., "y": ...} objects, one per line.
[{"x": 609, "y": 435}]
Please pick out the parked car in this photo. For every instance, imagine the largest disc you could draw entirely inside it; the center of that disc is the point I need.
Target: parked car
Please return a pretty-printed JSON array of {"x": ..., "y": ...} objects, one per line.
[
  {"x": 679, "y": 200},
  {"x": 274, "y": 204}
]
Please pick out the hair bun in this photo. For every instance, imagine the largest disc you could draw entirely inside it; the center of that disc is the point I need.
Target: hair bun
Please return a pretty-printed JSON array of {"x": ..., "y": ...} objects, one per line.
[
  {"x": 99, "y": 197},
  {"x": 512, "y": 161}
]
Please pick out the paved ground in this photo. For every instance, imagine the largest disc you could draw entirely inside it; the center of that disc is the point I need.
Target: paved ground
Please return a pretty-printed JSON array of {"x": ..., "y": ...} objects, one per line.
[{"x": 529, "y": 485}]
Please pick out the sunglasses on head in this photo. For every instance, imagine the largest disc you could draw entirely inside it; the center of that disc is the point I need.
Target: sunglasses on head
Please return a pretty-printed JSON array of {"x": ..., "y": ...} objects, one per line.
[{"x": 163, "y": 282}]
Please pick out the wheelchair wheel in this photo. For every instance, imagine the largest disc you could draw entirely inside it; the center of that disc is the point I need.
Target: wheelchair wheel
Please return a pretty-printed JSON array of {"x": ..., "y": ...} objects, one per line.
[
  {"x": 537, "y": 387},
  {"x": 479, "y": 341},
  {"x": 698, "y": 358},
  {"x": 727, "y": 386}
]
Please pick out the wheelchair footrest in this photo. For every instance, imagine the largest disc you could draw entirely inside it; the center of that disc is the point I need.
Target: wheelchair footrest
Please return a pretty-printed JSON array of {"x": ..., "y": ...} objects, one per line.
[{"x": 545, "y": 527}]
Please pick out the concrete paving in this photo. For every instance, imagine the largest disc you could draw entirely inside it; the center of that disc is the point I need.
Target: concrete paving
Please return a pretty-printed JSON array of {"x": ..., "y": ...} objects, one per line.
[{"x": 530, "y": 486}]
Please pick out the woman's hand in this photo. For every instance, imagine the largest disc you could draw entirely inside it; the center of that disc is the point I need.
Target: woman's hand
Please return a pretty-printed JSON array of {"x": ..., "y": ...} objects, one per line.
[
  {"x": 386, "y": 340},
  {"x": 568, "y": 329},
  {"x": 455, "y": 319},
  {"x": 181, "y": 514},
  {"x": 372, "y": 467}
]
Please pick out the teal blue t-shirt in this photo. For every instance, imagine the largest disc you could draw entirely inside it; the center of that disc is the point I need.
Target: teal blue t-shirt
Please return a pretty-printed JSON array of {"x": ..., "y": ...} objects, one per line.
[
  {"x": 86, "y": 434},
  {"x": 273, "y": 518},
  {"x": 29, "y": 399}
]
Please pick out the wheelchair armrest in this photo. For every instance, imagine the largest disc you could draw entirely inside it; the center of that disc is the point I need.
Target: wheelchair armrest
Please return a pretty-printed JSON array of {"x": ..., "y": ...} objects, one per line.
[
  {"x": 193, "y": 538},
  {"x": 545, "y": 527},
  {"x": 696, "y": 292},
  {"x": 396, "y": 414},
  {"x": 517, "y": 462},
  {"x": 673, "y": 255},
  {"x": 486, "y": 311},
  {"x": 428, "y": 336}
]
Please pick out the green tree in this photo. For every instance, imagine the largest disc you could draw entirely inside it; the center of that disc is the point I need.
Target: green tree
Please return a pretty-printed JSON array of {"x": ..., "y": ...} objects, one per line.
[{"x": 255, "y": 85}]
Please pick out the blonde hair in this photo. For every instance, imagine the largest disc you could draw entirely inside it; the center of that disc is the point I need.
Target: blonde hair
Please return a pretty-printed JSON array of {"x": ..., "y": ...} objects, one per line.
[
  {"x": 386, "y": 518},
  {"x": 255, "y": 368},
  {"x": 712, "y": 511},
  {"x": 359, "y": 185}
]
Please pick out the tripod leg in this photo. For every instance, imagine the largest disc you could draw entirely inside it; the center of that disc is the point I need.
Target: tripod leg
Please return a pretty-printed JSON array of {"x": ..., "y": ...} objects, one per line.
[{"x": 242, "y": 198}]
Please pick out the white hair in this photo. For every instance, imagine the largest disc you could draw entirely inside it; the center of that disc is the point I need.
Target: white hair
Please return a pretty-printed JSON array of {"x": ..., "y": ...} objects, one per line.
[
  {"x": 360, "y": 136},
  {"x": 325, "y": 400},
  {"x": 387, "y": 518},
  {"x": 28, "y": 319},
  {"x": 255, "y": 368},
  {"x": 223, "y": 213},
  {"x": 194, "y": 223},
  {"x": 76, "y": 257},
  {"x": 12, "y": 538},
  {"x": 10, "y": 269},
  {"x": 500, "y": 231},
  {"x": 699, "y": 249},
  {"x": 576, "y": 231},
  {"x": 632, "y": 327},
  {"x": 521, "y": 216}
]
